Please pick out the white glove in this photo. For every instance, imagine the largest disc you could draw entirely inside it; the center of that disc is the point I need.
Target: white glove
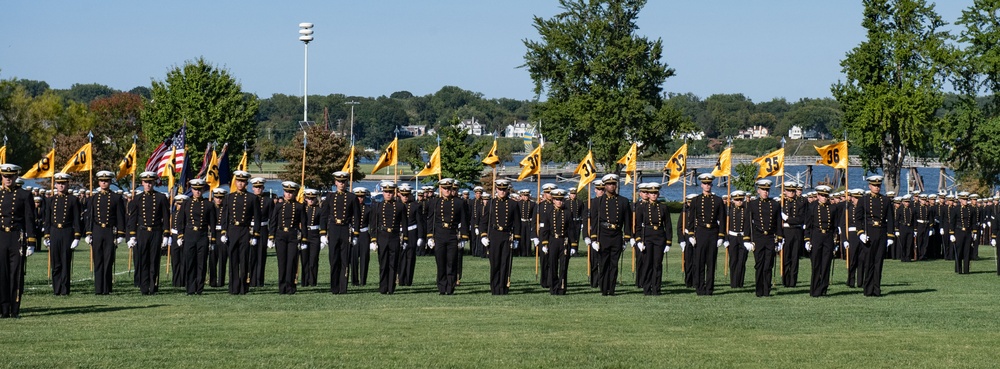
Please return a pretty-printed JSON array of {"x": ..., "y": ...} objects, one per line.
[
  {"x": 420, "y": 242},
  {"x": 322, "y": 246},
  {"x": 485, "y": 241},
  {"x": 641, "y": 246},
  {"x": 535, "y": 241},
  {"x": 430, "y": 243},
  {"x": 725, "y": 244},
  {"x": 952, "y": 238},
  {"x": 323, "y": 239},
  {"x": 180, "y": 242},
  {"x": 786, "y": 225},
  {"x": 596, "y": 246},
  {"x": 718, "y": 243},
  {"x": 515, "y": 244},
  {"x": 119, "y": 240},
  {"x": 889, "y": 242},
  {"x": 809, "y": 246},
  {"x": 89, "y": 239},
  {"x": 864, "y": 238},
  {"x": 270, "y": 244},
  {"x": 666, "y": 249},
  {"x": 975, "y": 236},
  {"x": 477, "y": 230},
  {"x": 373, "y": 246},
  {"x": 683, "y": 246},
  {"x": 461, "y": 245},
  {"x": 784, "y": 217},
  {"x": 253, "y": 241},
  {"x": 780, "y": 245},
  {"x": 31, "y": 250},
  {"x": 897, "y": 233},
  {"x": 405, "y": 245},
  {"x": 545, "y": 249},
  {"x": 631, "y": 242},
  {"x": 587, "y": 241},
  {"x": 930, "y": 232},
  {"x": 211, "y": 246},
  {"x": 748, "y": 246},
  {"x": 132, "y": 242},
  {"x": 940, "y": 231},
  {"x": 303, "y": 246},
  {"x": 993, "y": 242},
  {"x": 572, "y": 252},
  {"x": 224, "y": 239},
  {"x": 624, "y": 245},
  {"x": 165, "y": 243},
  {"x": 847, "y": 245},
  {"x": 74, "y": 244},
  {"x": 691, "y": 241},
  {"x": 354, "y": 241},
  {"x": 47, "y": 242}
]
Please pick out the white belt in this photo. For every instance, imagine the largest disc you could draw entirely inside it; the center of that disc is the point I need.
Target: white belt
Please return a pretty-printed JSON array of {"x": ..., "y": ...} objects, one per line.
[
  {"x": 734, "y": 234},
  {"x": 263, "y": 224},
  {"x": 218, "y": 228},
  {"x": 365, "y": 229},
  {"x": 852, "y": 229},
  {"x": 314, "y": 228},
  {"x": 921, "y": 221},
  {"x": 412, "y": 228}
]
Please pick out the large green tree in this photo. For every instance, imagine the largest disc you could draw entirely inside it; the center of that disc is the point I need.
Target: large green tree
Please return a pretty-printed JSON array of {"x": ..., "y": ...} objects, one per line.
[
  {"x": 971, "y": 130},
  {"x": 209, "y": 100},
  {"x": 893, "y": 83},
  {"x": 116, "y": 122},
  {"x": 602, "y": 82}
]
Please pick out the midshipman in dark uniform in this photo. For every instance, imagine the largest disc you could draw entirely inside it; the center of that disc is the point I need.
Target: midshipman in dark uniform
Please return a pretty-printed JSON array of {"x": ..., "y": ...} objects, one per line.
[
  {"x": 821, "y": 221},
  {"x": 763, "y": 236},
  {"x": 413, "y": 238},
  {"x": 17, "y": 240},
  {"x": 258, "y": 254},
  {"x": 339, "y": 227},
  {"x": 62, "y": 233},
  {"x": 705, "y": 221},
  {"x": 195, "y": 224},
  {"x": 876, "y": 231},
  {"x": 444, "y": 215},
  {"x": 610, "y": 230},
  {"x": 287, "y": 236},
  {"x": 310, "y": 255},
  {"x": 149, "y": 232},
  {"x": 500, "y": 228},
  {"x": 240, "y": 227},
  {"x": 387, "y": 225},
  {"x": 104, "y": 225},
  {"x": 653, "y": 238}
]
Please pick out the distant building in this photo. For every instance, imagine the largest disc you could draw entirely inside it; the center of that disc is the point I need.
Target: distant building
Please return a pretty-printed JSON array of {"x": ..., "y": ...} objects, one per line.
[
  {"x": 415, "y": 131},
  {"x": 519, "y": 129},
  {"x": 812, "y": 134},
  {"x": 754, "y": 132},
  {"x": 471, "y": 126},
  {"x": 693, "y": 136},
  {"x": 795, "y": 133}
]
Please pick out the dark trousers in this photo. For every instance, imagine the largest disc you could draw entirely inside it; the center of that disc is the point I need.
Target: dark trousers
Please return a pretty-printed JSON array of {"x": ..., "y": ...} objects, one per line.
[
  {"x": 821, "y": 257},
  {"x": 408, "y": 261},
  {"x": 177, "y": 264},
  {"x": 923, "y": 240},
  {"x": 794, "y": 242},
  {"x": 963, "y": 251},
  {"x": 388, "y": 263},
  {"x": 310, "y": 260},
  {"x": 286, "y": 246},
  {"x": 239, "y": 257},
  {"x": 763, "y": 255},
  {"x": 638, "y": 264},
  {"x": 651, "y": 267},
  {"x": 62, "y": 260},
  {"x": 904, "y": 245},
  {"x": 595, "y": 268},
  {"x": 737, "y": 261},
  {"x": 558, "y": 260},
  {"x": 855, "y": 262},
  {"x": 218, "y": 259},
  {"x": 103, "y": 247},
  {"x": 543, "y": 268},
  {"x": 705, "y": 254},
  {"x": 11, "y": 273},
  {"x": 446, "y": 255},
  {"x": 874, "y": 259},
  {"x": 147, "y": 256},
  {"x": 258, "y": 259},
  {"x": 195, "y": 248},
  {"x": 360, "y": 258},
  {"x": 607, "y": 258},
  {"x": 688, "y": 264},
  {"x": 499, "y": 252},
  {"x": 340, "y": 251}
]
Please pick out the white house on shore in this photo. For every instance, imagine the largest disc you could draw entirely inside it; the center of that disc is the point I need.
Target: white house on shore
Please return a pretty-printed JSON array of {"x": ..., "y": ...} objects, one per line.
[
  {"x": 472, "y": 126},
  {"x": 795, "y": 133}
]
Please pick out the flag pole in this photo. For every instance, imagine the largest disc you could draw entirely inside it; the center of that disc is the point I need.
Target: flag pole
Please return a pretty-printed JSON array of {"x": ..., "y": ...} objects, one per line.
[
  {"x": 395, "y": 165},
  {"x": 847, "y": 222},
  {"x": 305, "y": 143},
  {"x": 684, "y": 191},
  {"x": 350, "y": 186},
  {"x": 538, "y": 192},
  {"x": 135, "y": 138},
  {"x": 635, "y": 179},
  {"x": 729, "y": 191},
  {"x": 90, "y": 140},
  {"x": 52, "y": 186}
]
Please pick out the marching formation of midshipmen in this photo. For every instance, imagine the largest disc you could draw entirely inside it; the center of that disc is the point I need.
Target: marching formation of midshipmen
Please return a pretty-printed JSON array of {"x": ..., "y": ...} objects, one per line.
[{"x": 235, "y": 227}]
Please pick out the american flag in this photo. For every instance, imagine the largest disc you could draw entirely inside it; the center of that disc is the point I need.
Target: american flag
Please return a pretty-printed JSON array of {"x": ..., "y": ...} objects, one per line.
[{"x": 158, "y": 159}]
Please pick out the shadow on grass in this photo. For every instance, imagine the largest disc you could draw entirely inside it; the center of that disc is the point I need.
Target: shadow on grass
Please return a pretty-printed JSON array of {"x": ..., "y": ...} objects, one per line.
[
  {"x": 908, "y": 292},
  {"x": 90, "y": 309}
]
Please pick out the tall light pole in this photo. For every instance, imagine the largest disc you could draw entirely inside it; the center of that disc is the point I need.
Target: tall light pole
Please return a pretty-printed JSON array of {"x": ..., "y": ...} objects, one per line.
[
  {"x": 352, "y": 103},
  {"x": 305, "y": 32}
]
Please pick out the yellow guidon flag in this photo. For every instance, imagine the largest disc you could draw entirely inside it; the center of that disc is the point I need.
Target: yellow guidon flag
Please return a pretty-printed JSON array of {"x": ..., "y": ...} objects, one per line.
[
  {"x": 677, "y": 164},
  {"x": 491, "y": 158},
  {"x": 833, "y": 155},
  {"x": 3, "y": 154},
  {"x": 127, "y": 166},
  {"x": 531, "y": 164},
  {"x": 433, "y": 165},
  {"x": 44, "y": 168},
  {"x": 212, "y": 175},
  {"x": 723, "y": 167},
  {"x": 81, "y": 161},
  {"x": 772, "y": 164},
  {"x": 587, "y": 171},
  {"x": 348, "y": 165},
  {"x": 389, "y": 156}
]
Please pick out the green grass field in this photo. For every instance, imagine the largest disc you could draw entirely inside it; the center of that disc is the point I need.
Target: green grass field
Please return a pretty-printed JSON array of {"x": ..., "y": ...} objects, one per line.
[{"x": 929, "y": 317}]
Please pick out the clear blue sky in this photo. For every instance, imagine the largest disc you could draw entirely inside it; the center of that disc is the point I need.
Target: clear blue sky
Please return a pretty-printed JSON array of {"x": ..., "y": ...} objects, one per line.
[{"x": 763, "y": 49}]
